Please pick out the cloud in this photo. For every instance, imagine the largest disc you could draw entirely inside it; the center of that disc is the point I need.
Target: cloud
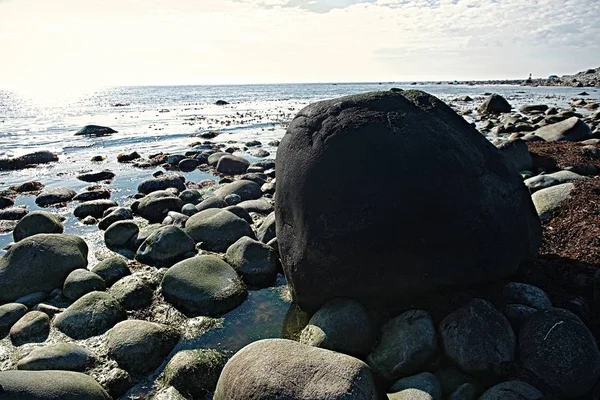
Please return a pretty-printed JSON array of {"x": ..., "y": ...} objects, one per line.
[{"x": 241, "y": 41}]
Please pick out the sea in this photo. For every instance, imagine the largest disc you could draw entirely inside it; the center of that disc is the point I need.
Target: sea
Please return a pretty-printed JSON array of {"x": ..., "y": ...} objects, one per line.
[{"x": 168, "y": 119}]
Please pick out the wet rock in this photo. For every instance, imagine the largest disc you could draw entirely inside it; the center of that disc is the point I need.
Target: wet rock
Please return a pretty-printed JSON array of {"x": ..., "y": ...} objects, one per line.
[
  {"x": 40, "y": 263},
  {"x": 273, "y": 143},
  {"x": 254, "y": 261},
  {"x": 569, "y": 130},
  {"x": 89, "y": 195},
  {"x": 407, "y": 343},
  {"x": 97, "y": 176},
  {"x": 80, "y": 282},
  {"x": 233, "y": 199},
  {"x": 221, "y": 103},
  {"x": 28, "y": 187},
  {"x": 60, "y": 356},
  {"x": 121, "y": 234},
  {"x": 259, "y": 206},
  {"x": 560, "y": 351},
  {"x": 124, "y": 158},
  {"x": 279, "y": 368},
  {"x": 132, "y": 292},
  {"x": 517, "y": 154},
  {"x": 37, "y": 222},
  {"x": 31, "y": 299},
  {"x": 24, "y": 161},
  {"x": 95, "y": 130},
  {"x": 494, "y": 104},
  {"x": 260, "y": 153},
  {"x": 91, "y": 315},
  {"x": 341, "y": 325},
  {"x": 165, "y": 247},
  {"x": 512, "y": 390},
  {"x": 203, "y": 285},
  {"x": 112, "y": 269},
  {"x": 425, "y": 382},
  {"x": 267, "y": 230},
  {"x": 94, "y": 208},
  {"x": 13, "y": 213},
  {"x": 247, "y": 190},
  {"x": 33, "y": 327},
  {"x": 189, "y": 209},
  {"x": 188, "y": 164},
  {"x": 232, "y": 165},
  {"x": 211, "y": 202},
  {"x": 195, "y": 372},
  {"x": 217, "y": 229},
  {"x": 479, "y": 339},
  {"x": 140, "y": 346},
  {"x": 42, "y": 385},
  {"x": 9, "y": 314},
  {"x": 533, "y": 108},
  {"x": 214, "y": 158},
  {"x": 162, "y": 182},
  {"x": 5, "y": 202},
  {"x": 352, "y": 248},
  {"x": 118, "y": 214},
  {"x": 53, "y": 196},
  {"x": 547, "y": 200},
  {"x": 191, "y": 196},
  {"x": 175, "y": 218},
  {"x": 157, "y": 205}
]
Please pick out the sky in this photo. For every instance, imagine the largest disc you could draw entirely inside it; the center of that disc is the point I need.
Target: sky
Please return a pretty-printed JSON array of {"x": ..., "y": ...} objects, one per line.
[{"x": 80, "y": 43}]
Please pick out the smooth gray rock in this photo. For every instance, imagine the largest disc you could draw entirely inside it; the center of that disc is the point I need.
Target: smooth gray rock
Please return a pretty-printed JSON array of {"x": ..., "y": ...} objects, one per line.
[
  {"x": 192, "y": 196},
  {"x": 95, "y": 130},
  {"x": 121, "y": 234},
  {"x": 13, "y": 213},
  {"x": 217, "y": 229},
  {"x": 40, "y": 263},
  {"x": 203, "y": 285},
  {"x": 267, "y": 230},
  {"x": 162, "y": 182},
  {"x": 195, "y": 372},
  {"x": 165, "y": 247},
  {"x": 140, "y": 346},
  {"x": 407, "y": 344},
  {"x": 91, "y": 315},
  {"x": 80, "y": 282},
  {"x": 259, "y": 206},
  {"x": 49, "y": 385},
  {"x": 214, "y": 158},
  {"x": 512, "y": 390},
  {"x": 284, "y": 369},
  {"x": 88, "y": 195},
  {"x": 559, "y": 350},
  {"x": 232, "y": 165},
  {"x": 53, "y": 196},
  {"x": 528, "y": 108},
  {"x": 97, "y": 176},
  {"x": 112, "y": 269},
  {"x": 257, "y": 177},
  {"x": 31, "y": 299},
  {"x": 189, "y": 209},
  {"x": 155, "y": 207},
  {"x": 341, "y": 325},
  {"x": 254, "y": 261},
  {"x": 118, "y": 214},
  {"x": 38, "y": 157},
  {"x": 37, "y": 222},
  {"x": 240, "y": 212},
  {"x": 494, "y": 104},
  {"x": 547, "y": 200},
  {"x": 425, "y": 382},
  {"x": 247, "y": 190},
  {"x": 33, "y": 327},
  {"x": 479, "y": 339},
  {"x": 188, "y": 164},
  {"x": 517, "y": 154},
  {"x": 211, "y": 202},
  {"x": 133, "y": 292},
  {"x": 569, "y": 130},
  {"x": 9, "y": 314},
  {"x": 232, "y": 199},
  {"x": 59, "y": 356},
  {"x": 529, "y": 295},
  {"x": 175, "y": 218},
  {"x": 540, "y": 182},
  {"x": 362, "y": 239}
]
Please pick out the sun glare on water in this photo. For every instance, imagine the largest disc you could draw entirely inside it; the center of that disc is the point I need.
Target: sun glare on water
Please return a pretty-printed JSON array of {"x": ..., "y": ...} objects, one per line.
[{"x": 53, "y": 94}]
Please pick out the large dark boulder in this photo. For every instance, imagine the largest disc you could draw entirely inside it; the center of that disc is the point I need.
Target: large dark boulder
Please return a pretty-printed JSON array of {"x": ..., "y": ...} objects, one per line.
[
  {"x": 40, "y": 263},
  {"x": 431, "y": 203},
  {"x": 494, "y": 104}
]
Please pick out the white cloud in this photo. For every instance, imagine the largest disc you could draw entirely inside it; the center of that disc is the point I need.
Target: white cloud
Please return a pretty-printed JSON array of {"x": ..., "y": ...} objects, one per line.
[{"x": 223, "y": 41}]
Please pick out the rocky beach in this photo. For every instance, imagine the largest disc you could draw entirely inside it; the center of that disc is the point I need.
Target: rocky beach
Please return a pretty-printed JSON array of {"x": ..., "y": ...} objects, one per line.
[{"x": 369, "y": 242}]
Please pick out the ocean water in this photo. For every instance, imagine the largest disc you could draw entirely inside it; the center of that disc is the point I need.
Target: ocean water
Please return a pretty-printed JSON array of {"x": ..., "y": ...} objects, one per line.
[{"x": 168, "y": 119}]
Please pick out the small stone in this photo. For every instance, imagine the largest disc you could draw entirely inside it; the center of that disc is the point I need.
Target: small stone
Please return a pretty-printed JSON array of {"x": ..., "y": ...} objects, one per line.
[
  {"x": 112, "y": 269},
  {"x": 133, "y": 292},
  {"x": 121, "y": 234},
  {"x": 254, "y": 261},
  {"x": 9, "y": 314},
  {"x": 80, "y": 282},
  {"x": 195, "y": 372},
  {"x": 33, "y": 327}
]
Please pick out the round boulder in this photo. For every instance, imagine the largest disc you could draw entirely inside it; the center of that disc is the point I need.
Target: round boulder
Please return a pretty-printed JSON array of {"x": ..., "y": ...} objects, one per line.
[
  {"x": 494, "y": 104},
  {"x": 195, "y": 372},
  {"x": 165, "y": 246},
  {"x": 284, "y": 369},
  {"x": 247, "y": 190},
  {"x": 140, "y": 346},
  {"x": 60, "y": 356},
  {"x": 372, "y": 237},
  {"x": 112, "y": 269},
  {"x": 46, "y": 385},
  {"x": 121, "y": 235},
  {"x": 162, "y": 182},
  {"x": 33, "y": 327},
  {"x": 479, "y": 339},
  {"x": 559, "y": 350},
  {"x": 9, "y": 314},
  {"x": 232, "y": 165},
  {"x": 254, "y": 261},
  {"x": 217, "y": 229},
  {"x": 512, "y": 390},
  {"x": 80, "y": 282},
  {"x": 37, "y": 222},
  {"x": 203, "y": 285},
  {"x": 40, "y": 263}
]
